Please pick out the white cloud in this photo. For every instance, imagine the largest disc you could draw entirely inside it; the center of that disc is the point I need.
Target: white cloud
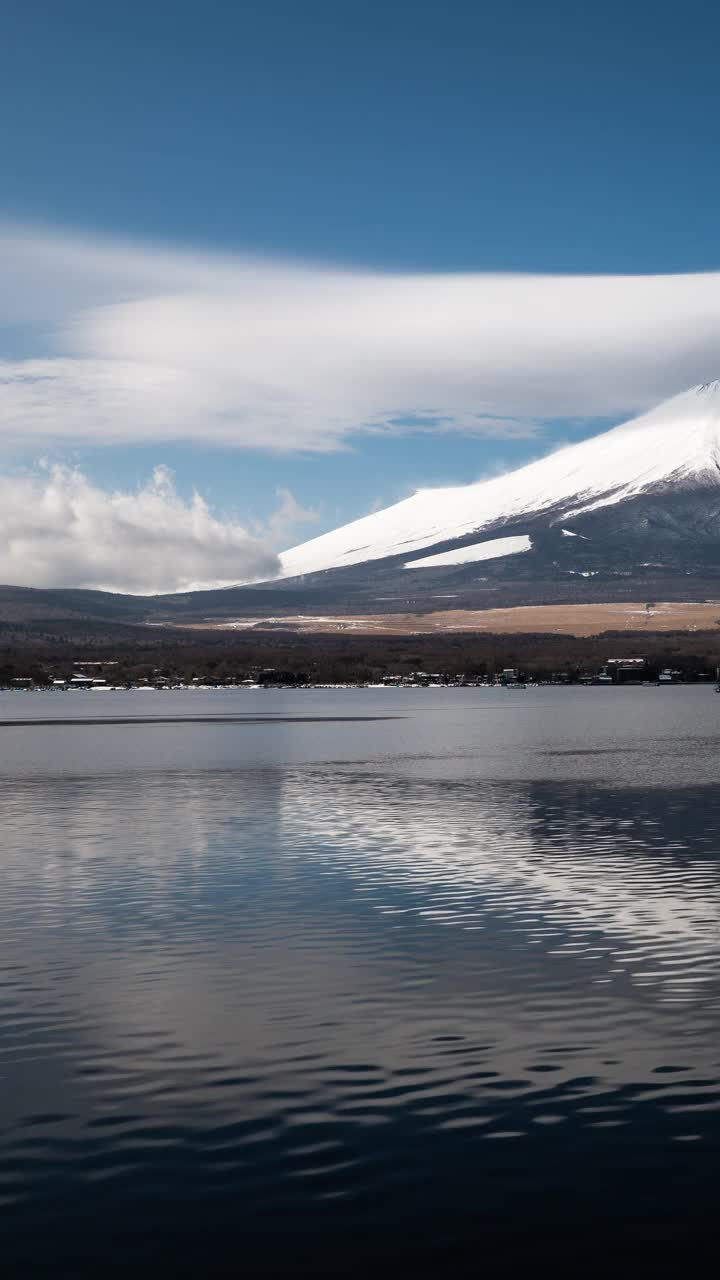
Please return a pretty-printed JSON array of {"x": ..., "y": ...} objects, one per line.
[
  {"x": 113, "y": 342},
  {"x": 58, "y": 529},
  {"x": 287, "y": 517}
]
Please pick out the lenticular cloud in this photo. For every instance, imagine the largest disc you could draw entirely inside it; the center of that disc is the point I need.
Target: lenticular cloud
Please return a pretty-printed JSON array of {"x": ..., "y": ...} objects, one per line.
[
  {"x": 114, "y": 342},
  {"x": 58, "y": 529}
]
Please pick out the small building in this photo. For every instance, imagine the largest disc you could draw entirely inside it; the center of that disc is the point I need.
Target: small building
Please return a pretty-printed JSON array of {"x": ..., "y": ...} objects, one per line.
[{"x": 626, "y": 670}]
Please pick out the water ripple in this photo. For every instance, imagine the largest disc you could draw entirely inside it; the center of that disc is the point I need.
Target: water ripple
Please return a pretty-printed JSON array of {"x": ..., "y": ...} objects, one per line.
[{"x": 344, "y": 997}]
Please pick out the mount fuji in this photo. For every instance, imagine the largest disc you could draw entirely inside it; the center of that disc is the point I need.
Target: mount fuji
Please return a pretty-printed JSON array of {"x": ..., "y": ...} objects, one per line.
[
  {"x": 629, "y": 515},
  {"x": 636, "y": 506}
]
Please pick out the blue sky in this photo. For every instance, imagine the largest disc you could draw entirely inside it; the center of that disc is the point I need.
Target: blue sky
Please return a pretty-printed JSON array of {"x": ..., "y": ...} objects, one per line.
[
  {"x": 400, "y": 140},
  {"x": 462, "y": 135}
]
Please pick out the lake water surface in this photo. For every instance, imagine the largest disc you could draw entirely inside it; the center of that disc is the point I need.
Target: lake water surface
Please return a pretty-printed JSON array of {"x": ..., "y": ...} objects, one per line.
[{"x": 310, "y": 982}]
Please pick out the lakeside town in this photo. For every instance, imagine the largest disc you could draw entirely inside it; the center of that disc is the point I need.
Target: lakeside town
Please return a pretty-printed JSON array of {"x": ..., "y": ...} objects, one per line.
[{"x": 112, "y": 676}]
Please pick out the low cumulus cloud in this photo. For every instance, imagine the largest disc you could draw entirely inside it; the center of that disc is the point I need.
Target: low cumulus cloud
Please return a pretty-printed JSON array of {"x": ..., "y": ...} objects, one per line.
[
  {"x": 58, "y": 529},
  {"x": 114, "y": 343}
]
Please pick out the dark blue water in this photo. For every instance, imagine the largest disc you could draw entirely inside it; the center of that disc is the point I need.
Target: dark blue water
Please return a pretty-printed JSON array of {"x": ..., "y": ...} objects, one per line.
[{"x": 312, "y": 983}]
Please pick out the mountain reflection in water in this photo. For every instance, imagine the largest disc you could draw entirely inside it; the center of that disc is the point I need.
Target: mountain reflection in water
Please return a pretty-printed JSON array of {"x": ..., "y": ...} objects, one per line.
[{"x": 322, "y": 1010}]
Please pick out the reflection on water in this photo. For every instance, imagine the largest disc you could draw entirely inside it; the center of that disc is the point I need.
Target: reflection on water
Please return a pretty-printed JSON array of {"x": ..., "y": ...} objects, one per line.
[
  {"x": 628, "y": 880},
  {"x": 369, "y": 1004}
]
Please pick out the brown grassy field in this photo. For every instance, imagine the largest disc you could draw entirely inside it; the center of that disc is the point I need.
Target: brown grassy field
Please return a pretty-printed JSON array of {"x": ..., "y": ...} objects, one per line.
[{"x": 572, "y": 620}]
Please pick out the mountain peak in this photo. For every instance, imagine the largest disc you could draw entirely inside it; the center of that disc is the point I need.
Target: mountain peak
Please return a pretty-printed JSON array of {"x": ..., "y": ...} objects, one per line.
[{"x": 674, "y": 446}]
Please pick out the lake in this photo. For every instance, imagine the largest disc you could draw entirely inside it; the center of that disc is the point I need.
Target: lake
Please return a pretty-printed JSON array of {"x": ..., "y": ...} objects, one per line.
[{"x": 307, "y": 982}]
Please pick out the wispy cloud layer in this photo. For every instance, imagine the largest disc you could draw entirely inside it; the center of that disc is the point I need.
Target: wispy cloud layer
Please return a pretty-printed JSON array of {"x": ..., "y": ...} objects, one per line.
[
  {"x": 112, "y": 342},
  {"x": 58, "y": 529}
]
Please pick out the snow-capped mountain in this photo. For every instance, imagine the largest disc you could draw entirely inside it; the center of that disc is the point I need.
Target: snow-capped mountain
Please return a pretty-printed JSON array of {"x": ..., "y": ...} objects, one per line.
[
  {"x": 630, "y": 515},
  {"x": 670, "y": 452}
]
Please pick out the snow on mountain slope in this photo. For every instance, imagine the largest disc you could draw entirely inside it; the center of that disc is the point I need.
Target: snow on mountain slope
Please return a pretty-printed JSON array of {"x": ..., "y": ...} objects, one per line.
[
  {"x": 675, "y": 445},
  {"x": 491, "y": 550}
]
